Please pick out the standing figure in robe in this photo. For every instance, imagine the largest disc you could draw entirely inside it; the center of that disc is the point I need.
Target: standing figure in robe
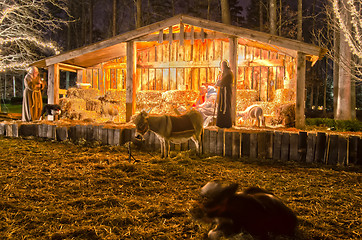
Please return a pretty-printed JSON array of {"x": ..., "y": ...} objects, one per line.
[
  {"x": 32, "y": 96},
  {"x": 224, "y": 83}
]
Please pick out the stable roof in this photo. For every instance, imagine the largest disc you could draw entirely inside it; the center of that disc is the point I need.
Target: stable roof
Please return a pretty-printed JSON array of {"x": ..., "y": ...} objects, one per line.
[{"x": 115, "y": 47}]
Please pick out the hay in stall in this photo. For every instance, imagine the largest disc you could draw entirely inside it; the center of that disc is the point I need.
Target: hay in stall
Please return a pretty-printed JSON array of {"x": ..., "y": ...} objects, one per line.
[
  {"x": 148, "y": 99},
  {"x": 114, "y": 95},
  {"x": 90, "y": 93},
  {"x": 72, "y": 105},
  {"x": 284, "y": 95},
  {"x": 93, "y": 105},
  {"x": 181, "y": 97}
]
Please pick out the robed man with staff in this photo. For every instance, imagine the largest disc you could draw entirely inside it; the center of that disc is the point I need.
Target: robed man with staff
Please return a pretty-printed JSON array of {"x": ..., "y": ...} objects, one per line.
[
  {"x": 32, "y": 96},
  {"x": 224, "y": 83}
]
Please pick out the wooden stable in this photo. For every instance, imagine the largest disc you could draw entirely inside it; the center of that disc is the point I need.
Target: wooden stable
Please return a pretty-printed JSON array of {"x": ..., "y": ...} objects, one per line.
[{"x": 182, "y": 53}]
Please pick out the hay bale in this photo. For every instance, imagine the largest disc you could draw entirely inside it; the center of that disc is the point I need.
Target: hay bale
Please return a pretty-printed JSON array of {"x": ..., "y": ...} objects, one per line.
[
  {"x": 245, "y": 97},
  {"x": 90, "y": 93},
  {"x": 72, "y": 104},
  {"x": 284, "y": 114},
  {"x": 185, "y": 97},
  {"x": 93, "y": 105},
  {"x": 284, "y": 95},
  {"x": 148, "y": 99},
  {"x": 114, "y": 95}
]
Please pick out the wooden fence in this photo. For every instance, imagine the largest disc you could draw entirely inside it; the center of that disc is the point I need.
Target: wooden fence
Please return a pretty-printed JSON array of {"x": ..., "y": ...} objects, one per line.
[{"x": 300, "y": 146}]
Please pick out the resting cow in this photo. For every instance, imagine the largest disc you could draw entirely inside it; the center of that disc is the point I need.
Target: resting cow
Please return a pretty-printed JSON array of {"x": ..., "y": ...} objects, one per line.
[
  {"x": 176, "y": 129},
  {"x": 254, "y": 211}
]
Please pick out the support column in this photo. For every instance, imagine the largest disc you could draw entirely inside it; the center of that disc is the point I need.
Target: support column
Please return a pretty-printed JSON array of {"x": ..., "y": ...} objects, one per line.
[
  {"x": 300, "y": 93},
  {"x": 131, "y": 80},
  {"x": 233, "y": 54},
  {"x": 53, "y": 84}
]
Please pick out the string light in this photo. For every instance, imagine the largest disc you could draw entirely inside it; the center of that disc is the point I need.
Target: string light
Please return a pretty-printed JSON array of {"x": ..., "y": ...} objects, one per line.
[{"x": 352, "y": 33}]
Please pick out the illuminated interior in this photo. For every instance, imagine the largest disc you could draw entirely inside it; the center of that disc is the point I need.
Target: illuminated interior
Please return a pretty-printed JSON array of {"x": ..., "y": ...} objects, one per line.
[{"x": 169, "y": 69}]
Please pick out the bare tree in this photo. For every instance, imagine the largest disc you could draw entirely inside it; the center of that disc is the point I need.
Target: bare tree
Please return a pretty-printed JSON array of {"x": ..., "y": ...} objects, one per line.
[
  {"x": 344, "y": 21},
  {"x": 139, "y": 13},
  {"x": 23, "y": 25},
  {"x": 114, "y": 18},
  {"x": 300, "y": 20},
  {"x": 273, "y": 16},
  {"x": 225, "y": 11}
]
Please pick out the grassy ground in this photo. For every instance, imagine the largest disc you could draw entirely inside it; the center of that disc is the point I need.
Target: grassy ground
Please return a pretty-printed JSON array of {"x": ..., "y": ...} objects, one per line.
[
  {"x": 52, "y": 190},
  {"x": 11, "y": 108}
]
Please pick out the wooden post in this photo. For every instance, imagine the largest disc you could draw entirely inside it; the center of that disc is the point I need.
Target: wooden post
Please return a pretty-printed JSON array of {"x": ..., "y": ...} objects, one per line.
[
  {"x": 269, "y": 145},
  {"x": 228, "y": 143},
  {"x": 253, "y": 145},
  {"x": 245, "y": 144},
  {"x": 277, "y": 145},
  {"x": 220, "y": 142},
  {"x": 206, "y": 142},
  {"x": 284, "y": 153},
  {"x": 213, "y": 141},
  {"x": 300, "y": 104},
  {"x": 320, "y": 147},
  {"x": 302, "y": 146},
  {"x": 261, "y": 137},
  {"x": 182, "y": 34},
  {"x": 332, "y": 150},
  {"x": 293, "y": 153},
  {"x": 311, "y": 144},
  {"x": 233, "y": 54},
  {"x": 236, "y": 144},
  {"x": 61, "y": 133},
  {"x": 353, "y": 149},
  {"x": 53, "y": 84},
  {"x": 342, "y": 151},
  {"x": 131, "y": 80}
]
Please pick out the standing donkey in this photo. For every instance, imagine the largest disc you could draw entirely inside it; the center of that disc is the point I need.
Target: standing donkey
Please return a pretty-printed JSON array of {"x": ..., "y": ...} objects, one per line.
[{"x": 176, "y": 129}]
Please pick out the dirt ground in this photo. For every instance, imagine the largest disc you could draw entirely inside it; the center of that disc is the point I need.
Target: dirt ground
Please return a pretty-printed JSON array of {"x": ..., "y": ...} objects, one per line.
[{"x": 52, "y": 190}]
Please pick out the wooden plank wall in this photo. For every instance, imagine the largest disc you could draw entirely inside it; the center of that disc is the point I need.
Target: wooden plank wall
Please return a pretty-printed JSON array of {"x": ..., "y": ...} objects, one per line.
[
  {"x": 180, "y": 67},
  {"x": 320, "y": 148}
]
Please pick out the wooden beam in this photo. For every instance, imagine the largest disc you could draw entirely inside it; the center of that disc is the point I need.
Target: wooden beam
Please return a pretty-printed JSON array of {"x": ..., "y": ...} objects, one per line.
[
  {"x": 160, "y": 36},
  {"x": 170, "y": 36},
  {"x": 53, "y": 85},
  {"x": 182, "y": 34},
  {"x": 69, "y": 67},
  {"x": 187, "y": 36},
  {"x": 255, "y": 35},
  {"x": 192, "y": 35},
  {"x": 233, "y": 54},
  {"x": 131, "y": 80},
  {"x": 300, "y": 98}
]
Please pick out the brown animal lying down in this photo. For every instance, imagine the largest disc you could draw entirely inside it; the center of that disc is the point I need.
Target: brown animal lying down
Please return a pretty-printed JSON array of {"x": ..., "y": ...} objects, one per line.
[{"x": 255, "y": 211}]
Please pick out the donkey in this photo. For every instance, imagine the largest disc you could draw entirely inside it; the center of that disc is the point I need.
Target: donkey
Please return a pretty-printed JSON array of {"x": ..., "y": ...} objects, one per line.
[{"x": 176, "y": 129}]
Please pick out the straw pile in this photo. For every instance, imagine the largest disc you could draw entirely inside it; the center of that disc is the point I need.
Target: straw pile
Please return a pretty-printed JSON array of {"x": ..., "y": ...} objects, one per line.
[
  {"x": 244, "y": 98},
  {"x": 284, "y": 95},
  {"x": 148, "y": 99},
  {"x": 113, "y": 95},
  {"x": 90, "y": 93},
  {"x": 53, "y": 190},
  {"x": 181, "y": 97}
]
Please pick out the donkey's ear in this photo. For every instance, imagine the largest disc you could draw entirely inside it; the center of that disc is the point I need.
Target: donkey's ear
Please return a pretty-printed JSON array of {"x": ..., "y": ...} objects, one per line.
[{"x": 149, "y": 110}]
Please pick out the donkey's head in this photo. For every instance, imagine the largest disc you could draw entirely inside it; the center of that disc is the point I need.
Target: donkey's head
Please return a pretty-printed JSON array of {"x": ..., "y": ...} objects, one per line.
[{"x": 141, "y": 122}]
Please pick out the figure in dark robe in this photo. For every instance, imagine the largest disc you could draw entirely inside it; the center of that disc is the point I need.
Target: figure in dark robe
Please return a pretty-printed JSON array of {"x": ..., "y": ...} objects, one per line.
[
  {"x": 32, "y": 96},
  {"x": 224, "y": 84}
]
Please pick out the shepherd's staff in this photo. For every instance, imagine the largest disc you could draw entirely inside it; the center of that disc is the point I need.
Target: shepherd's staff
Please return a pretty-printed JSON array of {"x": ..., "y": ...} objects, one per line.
[{"x": 217, "y": 98}]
